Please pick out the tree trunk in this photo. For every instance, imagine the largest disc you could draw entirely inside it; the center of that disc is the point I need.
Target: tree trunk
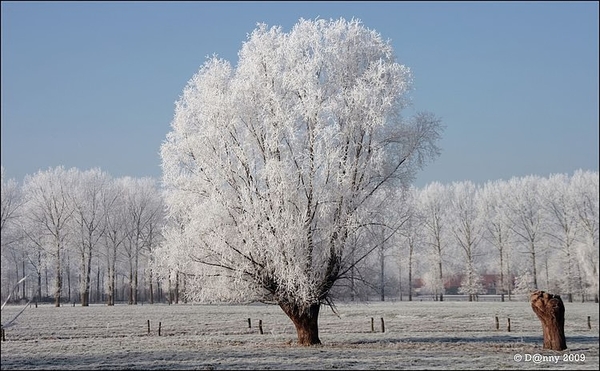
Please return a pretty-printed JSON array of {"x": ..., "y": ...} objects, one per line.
[
  {"x": 135, "y": 277},
  {"x": 410, "y": 282},
  {"x": 551, "y": 311},
  {"x": 87, "y": 279},
  {"x": 533, "y": 265},
  {"x": 305, "y": 319},
  {"x": 441, "y": 277},
  {"x": 98, "y": 295},
  {"x": 23, "y": 295},
  {"x": 130, "y": 302},
  {"x": 177, "y": 287},
  {"x": 39, "y": 284},
  {"x": 110, "y": 301},
  {"x": 58, "y": 282}
]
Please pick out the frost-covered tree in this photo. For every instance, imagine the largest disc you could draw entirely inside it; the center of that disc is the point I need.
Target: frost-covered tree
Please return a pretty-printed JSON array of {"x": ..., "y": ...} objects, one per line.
[
  {"x": 384, "y": 222},
  {"x": 497, "y": 228},
  {"x": 12, "y": 205},
  {"x": 467, "y": 228},
  {"x": 152, "y": 238},
  {"x": 272, "y": 166},
  {"x": 559, "y": 204},
  {"x": 410, "y": 236},
  {"x": 115, "y": 233},
  {"x": 471, "y": 283},
  {"x": 143, "y": 207},
  {"x": 524, "y": 283},
  {"x": 88, "y": 194},
  {"x": 50, "y": 209},
  {"x": 526, "y": 218},
  {"x": 35, "y": 251},
  {"x": 12, "y": 201},
  {"x": 434, "y": 204},
  {"x": 584, "y": 185}
]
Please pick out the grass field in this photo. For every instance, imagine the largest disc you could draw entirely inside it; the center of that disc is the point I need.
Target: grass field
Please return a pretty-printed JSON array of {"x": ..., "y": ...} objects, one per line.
[{"x": 418, "y": 335}]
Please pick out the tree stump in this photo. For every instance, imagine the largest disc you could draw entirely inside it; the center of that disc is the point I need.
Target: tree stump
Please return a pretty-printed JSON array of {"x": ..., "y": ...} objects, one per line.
[{"x": 551, "y": 311}]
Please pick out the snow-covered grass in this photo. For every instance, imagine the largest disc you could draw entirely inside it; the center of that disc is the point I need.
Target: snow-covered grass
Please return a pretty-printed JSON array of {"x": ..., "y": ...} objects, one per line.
[{"x": 418, "y": 335}]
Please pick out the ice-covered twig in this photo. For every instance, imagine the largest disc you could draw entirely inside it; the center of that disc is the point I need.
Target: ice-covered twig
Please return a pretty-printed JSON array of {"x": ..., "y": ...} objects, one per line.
[
  {"x": 11, "y": 291},
  {"x": 11, "y": 322}
]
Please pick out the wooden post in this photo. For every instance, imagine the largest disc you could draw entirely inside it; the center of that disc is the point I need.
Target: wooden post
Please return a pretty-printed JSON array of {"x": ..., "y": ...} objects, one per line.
[
  {"x": 589, "y": 323},
  {"x": 497, "y": 323},
  {"x": 159, "y": 324},
  {"x": 260, "y": 326},
  {"x": 3, "y": 336},
  {"x": 372, "y": 325},
  {"x": 508, "y": 324},
  {"x": 249, "y": 323},
  {"x": 550, "y": 309},
  {"x": 382, "y": 325},
  {"x": 148, "y": 327}
]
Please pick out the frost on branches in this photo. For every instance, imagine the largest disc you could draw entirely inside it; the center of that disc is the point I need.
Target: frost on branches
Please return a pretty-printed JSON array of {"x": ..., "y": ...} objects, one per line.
[{"x": 273, "y": 165}]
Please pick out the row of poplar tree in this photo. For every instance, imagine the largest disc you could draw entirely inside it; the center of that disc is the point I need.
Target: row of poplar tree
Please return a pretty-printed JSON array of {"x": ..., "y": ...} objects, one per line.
[{"x": 86, "y": 237}]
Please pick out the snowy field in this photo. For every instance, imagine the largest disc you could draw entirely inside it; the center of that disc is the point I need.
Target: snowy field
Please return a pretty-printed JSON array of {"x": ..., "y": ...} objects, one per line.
[{"x": 418, "y": 335}]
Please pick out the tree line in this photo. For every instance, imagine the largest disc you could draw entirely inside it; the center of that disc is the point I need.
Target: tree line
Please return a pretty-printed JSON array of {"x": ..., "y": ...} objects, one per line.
[
  {"x": 80, "y": 236},
  {"x": 527, "y": 233},
  {"x": 86, "y": 237}
]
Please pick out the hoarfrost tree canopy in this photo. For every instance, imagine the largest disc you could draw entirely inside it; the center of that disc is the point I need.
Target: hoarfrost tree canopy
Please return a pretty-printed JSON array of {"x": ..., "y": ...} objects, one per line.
[{"x": 273, "y": 165}]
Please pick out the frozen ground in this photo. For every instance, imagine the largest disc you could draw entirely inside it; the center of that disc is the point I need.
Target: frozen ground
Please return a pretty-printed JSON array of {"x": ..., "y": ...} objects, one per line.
[{"x": 418, "y": 335}]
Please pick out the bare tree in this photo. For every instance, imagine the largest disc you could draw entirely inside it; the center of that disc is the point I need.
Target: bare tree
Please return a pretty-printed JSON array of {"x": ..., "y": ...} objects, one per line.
[
  {"x": 409, "y": 237},
  {"x": 142, "y": 208},
  {"x": 34, "y": 246},
  {"x": 526, "y": 217},
  {"x": 585, "y": 190},
  {"x": 12, "y": 201},
  {"x": 152, "y": 236},
  {"x": 50, "y": 208},
  {"x": 559, "y": 204},
  {"x": 114, "y": 212},
  {"x": 89, "y": 223},
  {"x": 11, "y": 238},
  {"x": 386, "y": 220},
  {"x": 497, "y": 230},
  {"x": 467, "y": 228},
  {"x": 434, "y": 203},
  {"x": 276, "y": 164}
]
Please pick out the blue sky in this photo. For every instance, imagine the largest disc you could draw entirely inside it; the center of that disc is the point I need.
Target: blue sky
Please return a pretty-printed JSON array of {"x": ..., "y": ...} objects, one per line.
[{"x": 93, "y": 84}]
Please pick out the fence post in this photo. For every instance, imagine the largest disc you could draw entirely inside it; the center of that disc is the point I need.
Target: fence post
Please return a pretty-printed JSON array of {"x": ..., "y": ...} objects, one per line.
[
  {"x": 508, "y": 324},
  {"x": 159, "y": 328},
  {"x": 148, "y": 327},
  {"x": 249, "y": 323},
  {"x": 497, "y": 323},
  {"x": 382, "y": 325},
  {"x": 260, "y": 326},
  {"x": 372, "y": 325},
  {"x": 589, "y": 323}
]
